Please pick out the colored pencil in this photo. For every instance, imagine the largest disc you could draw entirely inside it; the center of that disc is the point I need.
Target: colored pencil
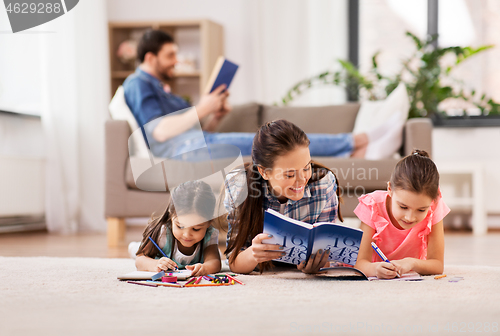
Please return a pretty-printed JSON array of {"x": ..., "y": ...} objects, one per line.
[
  {"x": 382, "y": 255},
  {"x": 206, "y": 285},
  {"x": 193, "y": 279},
  {"x": 142, "y": 283},
  {"x": 198, "y": 280},
  {"x": 159, "y": 249},
  {"x": 234, "y": 279},
  {"x": 168, "y": 284}
]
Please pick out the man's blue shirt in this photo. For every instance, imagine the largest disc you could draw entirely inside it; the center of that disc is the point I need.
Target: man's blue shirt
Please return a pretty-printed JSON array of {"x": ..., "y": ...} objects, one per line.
[{"x": 147, "y": 99}]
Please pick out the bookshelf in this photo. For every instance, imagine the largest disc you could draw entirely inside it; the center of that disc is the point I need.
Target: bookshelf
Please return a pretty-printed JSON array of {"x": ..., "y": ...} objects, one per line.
[{"x": 200, "y": 43}]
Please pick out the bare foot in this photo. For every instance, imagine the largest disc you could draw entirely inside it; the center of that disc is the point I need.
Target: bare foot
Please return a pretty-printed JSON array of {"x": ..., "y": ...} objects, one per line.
[
  {"x": 359, "y": 152},
  {"x": 360, "y": 140},
  {"x": 360, "y": 144}
]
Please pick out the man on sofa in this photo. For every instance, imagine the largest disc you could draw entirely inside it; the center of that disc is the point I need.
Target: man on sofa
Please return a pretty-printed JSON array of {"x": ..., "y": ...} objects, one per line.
[{"x": 170, "y": 123}]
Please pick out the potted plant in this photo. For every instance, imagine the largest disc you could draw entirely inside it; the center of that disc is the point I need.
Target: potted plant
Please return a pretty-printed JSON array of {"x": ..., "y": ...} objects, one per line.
[{"x": 427, "y": 79}]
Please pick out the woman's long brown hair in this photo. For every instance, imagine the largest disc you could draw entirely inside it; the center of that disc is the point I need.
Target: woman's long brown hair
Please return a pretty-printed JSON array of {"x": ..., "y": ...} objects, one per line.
[{"x": 273, "y": 139}]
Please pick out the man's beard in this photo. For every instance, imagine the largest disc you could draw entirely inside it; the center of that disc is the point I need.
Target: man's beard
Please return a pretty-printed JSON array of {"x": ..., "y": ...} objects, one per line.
[{"x": 163, "y": 73}]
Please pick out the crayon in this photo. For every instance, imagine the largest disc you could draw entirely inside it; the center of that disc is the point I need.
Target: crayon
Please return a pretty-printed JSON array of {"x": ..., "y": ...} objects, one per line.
[{"x": 440, "y": 276}]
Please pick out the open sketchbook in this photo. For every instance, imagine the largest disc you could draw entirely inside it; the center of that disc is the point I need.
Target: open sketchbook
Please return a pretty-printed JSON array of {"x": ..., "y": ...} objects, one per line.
[
  {"x": 142, "y": 275},
  {"x": 351, "y": 273}
]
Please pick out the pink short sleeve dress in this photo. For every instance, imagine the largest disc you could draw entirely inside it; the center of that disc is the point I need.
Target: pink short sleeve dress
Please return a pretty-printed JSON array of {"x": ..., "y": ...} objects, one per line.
[{"x": 396, "y": 243}]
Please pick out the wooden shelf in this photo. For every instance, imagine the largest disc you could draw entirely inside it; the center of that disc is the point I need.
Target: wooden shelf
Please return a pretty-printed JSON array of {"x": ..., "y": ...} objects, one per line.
[
  {"x": 125, "y": 73},
  {"x": 121, "y": 74},
  {"x": 188, "y": 74},
  {"x": 202, "y": 38}
]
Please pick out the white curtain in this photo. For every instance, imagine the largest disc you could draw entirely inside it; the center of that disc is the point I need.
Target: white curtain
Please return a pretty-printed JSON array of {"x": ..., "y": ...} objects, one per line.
[
  {"x": 296, "y": 39},
  {"x": 75, "y": 94}
]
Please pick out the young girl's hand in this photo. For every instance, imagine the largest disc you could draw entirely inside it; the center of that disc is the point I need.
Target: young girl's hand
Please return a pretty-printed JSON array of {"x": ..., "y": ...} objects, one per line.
[
  {"x": 265, "y": 252},
  {"x": 196, "y": 269},
  {"x": 404, "y": 265},
  {"x": 164, "y": 264},
  {"x": 385, "y": 270}
]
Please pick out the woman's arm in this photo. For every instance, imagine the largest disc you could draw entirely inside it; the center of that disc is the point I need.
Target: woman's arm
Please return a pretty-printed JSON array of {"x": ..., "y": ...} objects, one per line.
[
  {"x": 247, "y": 260},
  {"x": 382, "y": 270},
  {"x": 435, "y": 255}
]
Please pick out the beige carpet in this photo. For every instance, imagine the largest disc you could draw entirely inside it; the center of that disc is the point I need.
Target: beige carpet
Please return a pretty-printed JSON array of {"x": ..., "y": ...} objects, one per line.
[{"x": 81, "y": 296}]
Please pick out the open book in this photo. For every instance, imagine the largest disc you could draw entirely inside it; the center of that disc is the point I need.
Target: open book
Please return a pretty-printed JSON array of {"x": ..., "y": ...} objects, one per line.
[
  {"x": 222, "y": 73},
  {"x": 301, "y": 240}
]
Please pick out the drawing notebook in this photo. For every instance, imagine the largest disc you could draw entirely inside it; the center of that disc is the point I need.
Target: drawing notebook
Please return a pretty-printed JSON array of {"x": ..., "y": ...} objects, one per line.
[
  {"x": 223, "y": 73},
  {"x": 410, "y": 276},
  {"x": 301, "y": 240}
]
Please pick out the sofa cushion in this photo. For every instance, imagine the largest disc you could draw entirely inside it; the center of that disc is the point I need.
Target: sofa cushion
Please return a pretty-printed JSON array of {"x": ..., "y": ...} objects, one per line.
[
  {"x": 242, "y": 118},
  {"x": 178, "y": 172},
  {"x": 315, "y": 119}
]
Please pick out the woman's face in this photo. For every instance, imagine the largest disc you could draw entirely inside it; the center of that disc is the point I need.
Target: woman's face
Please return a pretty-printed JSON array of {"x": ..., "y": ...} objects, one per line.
[
  {"x": 290, "y": 174},
  {"x": 189, "y": 229}
]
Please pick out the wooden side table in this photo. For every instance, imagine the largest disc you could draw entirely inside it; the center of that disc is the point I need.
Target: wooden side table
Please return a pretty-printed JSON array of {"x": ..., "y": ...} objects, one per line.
[{"x": 476, "y": 201}]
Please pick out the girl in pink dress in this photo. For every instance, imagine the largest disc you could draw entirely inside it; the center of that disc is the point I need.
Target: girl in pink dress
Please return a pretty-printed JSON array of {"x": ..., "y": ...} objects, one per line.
[{"x": 406, "y": 221}]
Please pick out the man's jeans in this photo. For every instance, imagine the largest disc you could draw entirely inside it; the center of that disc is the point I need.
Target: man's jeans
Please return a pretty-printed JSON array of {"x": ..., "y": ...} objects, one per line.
[{"x": 185, "y": 146}]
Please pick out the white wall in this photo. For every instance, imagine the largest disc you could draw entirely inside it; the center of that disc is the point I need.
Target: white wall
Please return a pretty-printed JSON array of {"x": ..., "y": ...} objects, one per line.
[
  {"x": 234, "y": 16},
  {"x": 276, "y": 43},
  {"x": 20, "y": 74}
]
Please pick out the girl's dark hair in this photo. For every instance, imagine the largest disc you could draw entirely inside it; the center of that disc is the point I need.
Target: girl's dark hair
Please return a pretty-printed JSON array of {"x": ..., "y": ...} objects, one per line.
[
  {"x": 273, "y": 139},
  {"x": 189, "y": 197},
  {"x": 417, "y": 173},
  {"x": 152, "y": 41}
]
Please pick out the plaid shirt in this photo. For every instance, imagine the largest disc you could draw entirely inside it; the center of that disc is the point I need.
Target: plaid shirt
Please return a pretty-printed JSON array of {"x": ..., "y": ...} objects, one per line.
[{"x": 319, "y": 203}]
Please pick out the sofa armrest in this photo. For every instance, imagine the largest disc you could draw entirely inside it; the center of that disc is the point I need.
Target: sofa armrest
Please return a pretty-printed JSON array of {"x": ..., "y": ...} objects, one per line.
[
  {"x": 117, "y": 133},
  {"x": 418, "y": 135}
]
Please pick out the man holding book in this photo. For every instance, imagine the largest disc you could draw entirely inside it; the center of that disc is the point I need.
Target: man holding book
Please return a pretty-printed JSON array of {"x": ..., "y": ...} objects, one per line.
[{"x": 169, "y": 122}]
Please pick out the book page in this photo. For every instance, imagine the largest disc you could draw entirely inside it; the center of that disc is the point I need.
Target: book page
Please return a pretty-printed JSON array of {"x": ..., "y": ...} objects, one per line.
[
  {"x": 342, "y": 242},
  {"x": 289, "y": 233}
]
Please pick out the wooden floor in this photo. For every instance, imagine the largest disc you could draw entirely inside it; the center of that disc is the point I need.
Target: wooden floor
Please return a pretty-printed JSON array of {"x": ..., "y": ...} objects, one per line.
[{"x": 460, "y": 247}]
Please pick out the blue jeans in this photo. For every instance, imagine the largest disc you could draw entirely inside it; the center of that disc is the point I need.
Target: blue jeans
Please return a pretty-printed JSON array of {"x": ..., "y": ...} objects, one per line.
[{"x": 190, "y": 146}]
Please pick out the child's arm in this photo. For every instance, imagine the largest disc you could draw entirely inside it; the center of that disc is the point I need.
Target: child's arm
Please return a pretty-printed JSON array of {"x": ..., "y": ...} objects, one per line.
[
  {"x": 382, "y": 270},
  {"x": 435, "y": 255},
  {"x": 144, "y": 263},
  {"x": 211, "y": 263}
]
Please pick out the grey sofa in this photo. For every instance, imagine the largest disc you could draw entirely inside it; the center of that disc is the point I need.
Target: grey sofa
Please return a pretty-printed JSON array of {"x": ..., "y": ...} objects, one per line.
[{"x": 356, "y": 176}]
